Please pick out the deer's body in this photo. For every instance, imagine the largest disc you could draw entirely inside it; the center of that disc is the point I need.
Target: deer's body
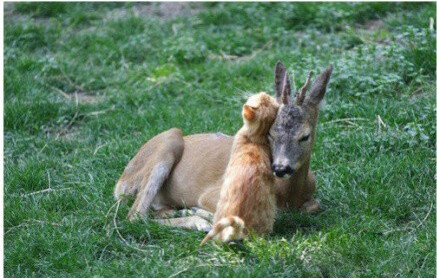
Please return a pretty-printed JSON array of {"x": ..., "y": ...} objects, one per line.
[{"x": 175, "y": 171}]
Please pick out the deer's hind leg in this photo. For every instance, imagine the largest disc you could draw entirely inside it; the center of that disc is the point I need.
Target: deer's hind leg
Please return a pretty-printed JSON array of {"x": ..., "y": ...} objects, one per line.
[
  {"x": 190, "y": 218},
  {"x": 194, "y": 222},
  {"x": 147, "y": 171},
  {"x": 195, "y": 218},
  {"x": 210, "y": 198}
]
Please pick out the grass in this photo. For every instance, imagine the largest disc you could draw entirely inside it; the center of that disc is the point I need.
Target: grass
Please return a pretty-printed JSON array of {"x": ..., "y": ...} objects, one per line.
[{"x": 86, "y": 84}]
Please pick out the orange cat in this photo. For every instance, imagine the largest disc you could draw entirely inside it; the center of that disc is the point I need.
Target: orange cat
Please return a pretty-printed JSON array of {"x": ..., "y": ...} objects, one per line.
[{"x": 247, "y": 198}]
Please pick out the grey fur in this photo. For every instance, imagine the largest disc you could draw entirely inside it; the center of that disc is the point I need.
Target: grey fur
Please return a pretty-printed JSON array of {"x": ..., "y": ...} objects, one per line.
[
  {"x": 318, "y": 89},
  {"x": 293, "y": 132}
]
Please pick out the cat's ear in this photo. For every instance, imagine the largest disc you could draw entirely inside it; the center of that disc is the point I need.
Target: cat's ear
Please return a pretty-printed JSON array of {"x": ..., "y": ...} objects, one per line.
[{"x": 249, "y": 112}]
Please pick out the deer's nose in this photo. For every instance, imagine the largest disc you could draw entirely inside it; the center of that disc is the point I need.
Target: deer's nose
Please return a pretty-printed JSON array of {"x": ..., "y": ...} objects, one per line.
[{"x": 282, "y": 171}]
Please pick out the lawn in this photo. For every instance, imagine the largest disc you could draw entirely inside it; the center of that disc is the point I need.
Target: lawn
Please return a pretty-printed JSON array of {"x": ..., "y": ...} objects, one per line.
[{"x": 86, "y": 84}]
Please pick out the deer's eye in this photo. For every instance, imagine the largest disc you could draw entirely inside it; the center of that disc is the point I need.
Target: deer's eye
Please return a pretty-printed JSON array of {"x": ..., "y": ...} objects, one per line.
[{"x": 305, "y": 138}]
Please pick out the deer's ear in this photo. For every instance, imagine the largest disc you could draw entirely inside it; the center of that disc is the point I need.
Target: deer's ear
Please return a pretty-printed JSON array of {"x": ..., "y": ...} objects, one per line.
[
  {"x": 249, "y": 112},
  {"x": 318, "y": 89},
  {"x": 282, "y": 84}
]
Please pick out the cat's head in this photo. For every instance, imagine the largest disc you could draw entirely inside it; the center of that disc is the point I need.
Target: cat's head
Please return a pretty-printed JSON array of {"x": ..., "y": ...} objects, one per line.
[{"x": 259, "y": 112}]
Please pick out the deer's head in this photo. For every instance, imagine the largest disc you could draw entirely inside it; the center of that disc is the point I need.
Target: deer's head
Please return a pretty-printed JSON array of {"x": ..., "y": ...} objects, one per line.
[{"x": 293, "y": 132}]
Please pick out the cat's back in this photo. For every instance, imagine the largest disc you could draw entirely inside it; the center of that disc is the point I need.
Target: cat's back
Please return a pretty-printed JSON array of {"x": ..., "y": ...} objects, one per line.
[{"x": 251, "y": 155}]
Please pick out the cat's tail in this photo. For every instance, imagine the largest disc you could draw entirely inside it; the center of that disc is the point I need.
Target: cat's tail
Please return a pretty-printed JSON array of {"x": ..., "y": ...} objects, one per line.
[{"x": 231, "y": 221}]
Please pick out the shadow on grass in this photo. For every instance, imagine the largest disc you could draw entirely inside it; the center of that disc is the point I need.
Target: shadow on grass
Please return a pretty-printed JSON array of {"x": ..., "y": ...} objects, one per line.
[{"x": 287, "y": 223}]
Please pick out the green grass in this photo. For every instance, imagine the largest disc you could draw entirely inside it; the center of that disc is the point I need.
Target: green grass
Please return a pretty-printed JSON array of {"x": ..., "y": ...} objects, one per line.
[{"x": 137, "y": 71}]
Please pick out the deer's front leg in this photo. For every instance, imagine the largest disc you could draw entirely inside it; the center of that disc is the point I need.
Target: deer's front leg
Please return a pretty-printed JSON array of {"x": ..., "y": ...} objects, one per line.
[{"x": 312, "y": 205}]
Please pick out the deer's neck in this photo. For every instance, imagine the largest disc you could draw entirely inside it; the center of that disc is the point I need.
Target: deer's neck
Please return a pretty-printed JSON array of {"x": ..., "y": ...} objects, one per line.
[{"x": 290, "y": 191}]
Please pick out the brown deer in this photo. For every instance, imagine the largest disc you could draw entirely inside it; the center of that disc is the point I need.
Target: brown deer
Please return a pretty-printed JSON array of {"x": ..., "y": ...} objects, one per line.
[{"x": 174, "y": 171}]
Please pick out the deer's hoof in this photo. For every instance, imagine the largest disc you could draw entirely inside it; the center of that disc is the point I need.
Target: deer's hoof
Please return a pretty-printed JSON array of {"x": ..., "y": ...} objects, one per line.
[{"x": 311, "y": 206}]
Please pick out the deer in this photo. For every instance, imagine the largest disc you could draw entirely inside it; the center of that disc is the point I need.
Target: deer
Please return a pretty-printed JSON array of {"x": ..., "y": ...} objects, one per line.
[{"x": 172, "y": 171}]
